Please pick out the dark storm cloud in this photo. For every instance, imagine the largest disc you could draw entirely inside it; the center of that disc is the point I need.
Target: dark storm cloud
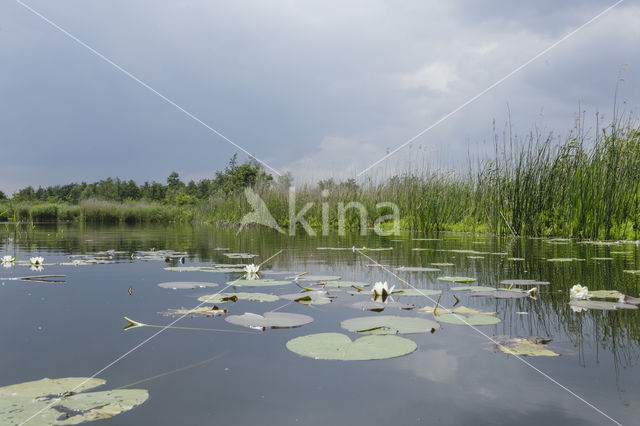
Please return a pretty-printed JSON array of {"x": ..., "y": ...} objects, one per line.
[{"x": 309, "y": 87}]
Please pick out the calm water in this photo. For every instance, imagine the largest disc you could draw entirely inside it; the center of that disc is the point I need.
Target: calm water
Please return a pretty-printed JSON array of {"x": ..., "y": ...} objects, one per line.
[{"x": 456, "y": 377}]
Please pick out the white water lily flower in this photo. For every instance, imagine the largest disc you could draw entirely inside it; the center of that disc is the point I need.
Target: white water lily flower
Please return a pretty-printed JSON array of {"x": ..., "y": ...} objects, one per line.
[
  {"x": 36, "y": 267},
  {"x": 380, "y": 289},
  {"x": 37, "y": 261},
  {"x": 251, "y": 271},
  {"x": 579, "y": 292},
  {"x": 8, "y": 260}
]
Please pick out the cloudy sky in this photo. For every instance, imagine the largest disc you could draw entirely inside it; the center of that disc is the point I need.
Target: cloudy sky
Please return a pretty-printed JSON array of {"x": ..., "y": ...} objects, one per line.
[{"x": 317, "y": 88}]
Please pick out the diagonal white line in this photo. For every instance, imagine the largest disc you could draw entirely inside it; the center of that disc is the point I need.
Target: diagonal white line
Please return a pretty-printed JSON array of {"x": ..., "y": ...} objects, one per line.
[
  {"x": 483, "y": 92},
  {"x": 142, "y": 83},
  {"x": 482, "y": 333},
  {"x": 138, "y": 346}
]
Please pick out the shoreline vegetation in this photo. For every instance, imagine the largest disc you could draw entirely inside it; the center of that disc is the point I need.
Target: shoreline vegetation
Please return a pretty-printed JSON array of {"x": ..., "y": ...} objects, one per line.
[{"x": 579, "y": 187}]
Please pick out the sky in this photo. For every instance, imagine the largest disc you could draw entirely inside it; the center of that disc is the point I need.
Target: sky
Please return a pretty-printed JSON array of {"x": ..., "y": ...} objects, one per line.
[{"x": 316, "y": 88}]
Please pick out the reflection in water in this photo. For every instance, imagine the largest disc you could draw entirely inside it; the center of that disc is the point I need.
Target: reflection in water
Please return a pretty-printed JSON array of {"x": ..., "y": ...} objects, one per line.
[{"x": 80, "y": 324}]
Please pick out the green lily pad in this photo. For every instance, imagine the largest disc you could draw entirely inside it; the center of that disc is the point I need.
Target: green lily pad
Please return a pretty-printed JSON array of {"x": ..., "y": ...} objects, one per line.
[
  {"x": 502, "y": 294},
  {"x": 185, "y": 285},
  {"x": 524, "y": 347},
  {"x": 473, "y": 319},
  {"x": 269, "y": 320},
  {"x": 524, "y": 282},
  {"x": 226, "y": 270},
  {"x": 337, "y": 346},
  {"x": 601, "y": 305},
  {"x": 316, "y": 297},
  {"x": 472, "y": 288},
  {"x": 257, "y": 283},
  {"x": 416, "y": 292},
  {"x": 564, "y": 259},
  {"x": 475, "y": 257},
  {"x": 318, "y": 278},
  {"x": 516, "y": 259},
  {"x": 416, "y": 269},
  {"x": 64, "y": 402},
  {"x": 345, "y": 284},
  {"x": 234, "y": 297},
  {"x": 389, "y": 324},
  {"x": 632, "y": 271},
  {"x": 240, "y": 255},
  {"x": 606, "y": 294},
  {"x": 461, "y": 280},
  {"x": 442, "y": 264},
  {"x": 461, "y": 310},
  {"x": 380, "y": 306}
]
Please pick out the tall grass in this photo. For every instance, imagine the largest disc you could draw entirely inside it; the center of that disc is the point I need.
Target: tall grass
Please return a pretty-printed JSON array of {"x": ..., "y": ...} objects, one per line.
[{"x": 579, "y": 187}]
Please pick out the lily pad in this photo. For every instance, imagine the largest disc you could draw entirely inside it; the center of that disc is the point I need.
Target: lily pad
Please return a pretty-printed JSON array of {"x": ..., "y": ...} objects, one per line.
[
  {"x": 516, "y": 259},
  {"x": 442, "y": 264},
  {"x": 524, "y": 347},
  {"x": 319, "y": 278},
  {"x": 207, "y": 311},
  {"x": 601, "y": 305},
  {"x": 632, "y": 271},
  {"x": 564, "y": 259},
  {"x": 346, "y": 284},
  {"x": 606, "y": 294},
  {"x": 472, "y": 288},
  {"x": 524, "y": 282},
  {"x": 234, "y": 297},
  {"x": 416, "y": 292},
  {"x": 380, "y": 306},
  {"x": 269, "y": 320},
  {"x": 416, "y": 269},
  {"x": 461, "y": 280},
  {"x": 257, "y": 283},
  {"x": 461, "y": 310},
  {"x": 502, "y": 294},
  {"x": 227, "y": 270},
  {"x": 389, "y": 324},
  {"x": 64, "y": 402},
  {"x": 185, "y": 285},
  {"x": 317, "y": 297},
  {"x": 240, "y": 255},
  {"x": 337, "y": 346},
  {"x": 474, "y": 319}
]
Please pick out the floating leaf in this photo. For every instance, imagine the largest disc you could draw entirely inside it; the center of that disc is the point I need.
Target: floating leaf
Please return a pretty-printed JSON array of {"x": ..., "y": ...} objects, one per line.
[
  {"x": 219, "y": 269},
  {"x": 442, "y": 264},
  {"x": 461, "y": 280},
  {"x": 379, "y": 306},
  {"x": 240, "y": 255},
  {"x": 64, "y": 402},
  {"x": 317, "y": 297},
  {"x": 338, "y": 346},
  {"x": 269, "y": 320},
  {"x": 207, "y": 311},
  {"x": 474, "y": 319},
  {"x": 416, "y": 292},
  {"x": 475, "y": 257},
  {"x": 630, "y": 271},
  {"x": 524, "y": 347},
  {"x": 602, "y": 258},
  {"x": 257, "y": 283},
  {"x": 186, "y": 285},
  {"x": 516, "y": 259},
  {"x": 345, "y": 284},
  {"x": 600, "y": 305},
  {"x": 472, "y": 288},
  {"x": 564, "y": 259},
  {"x": 389, "y": 324},
  {"x": 606, "y": 294},
  {"x": 524, "y": 282},
  {"x": 502, "y": 294},
  {"x": 319, "y": 278},
  {"x": 233, "y": 297},
  {"x": 416, "y": 269},
  {"x": 461, "y": 310}
]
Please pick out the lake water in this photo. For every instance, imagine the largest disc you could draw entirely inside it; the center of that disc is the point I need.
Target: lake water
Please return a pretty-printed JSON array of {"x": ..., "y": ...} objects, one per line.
[{"x": 456, "y": 376}]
